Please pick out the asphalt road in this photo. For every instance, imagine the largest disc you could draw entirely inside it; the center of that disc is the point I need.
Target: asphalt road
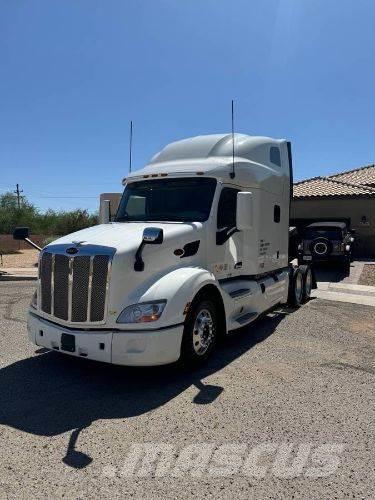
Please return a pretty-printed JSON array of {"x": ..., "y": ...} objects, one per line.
[{"x": 285, "y": 409}]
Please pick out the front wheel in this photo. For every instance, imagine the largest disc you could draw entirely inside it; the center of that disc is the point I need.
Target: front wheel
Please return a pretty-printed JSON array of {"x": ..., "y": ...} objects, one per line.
[{"x": 200, "y": 333}]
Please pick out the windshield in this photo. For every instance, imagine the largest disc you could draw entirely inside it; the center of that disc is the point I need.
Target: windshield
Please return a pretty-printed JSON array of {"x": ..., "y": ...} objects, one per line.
[{"x": 183, "y": 200}]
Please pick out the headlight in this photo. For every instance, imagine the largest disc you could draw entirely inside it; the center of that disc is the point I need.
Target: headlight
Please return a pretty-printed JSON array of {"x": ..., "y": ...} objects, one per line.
[
  {"x": 144, "y": 312},
  {"x": 34, "y": 300},
  {"x": 347, "y": 248}
]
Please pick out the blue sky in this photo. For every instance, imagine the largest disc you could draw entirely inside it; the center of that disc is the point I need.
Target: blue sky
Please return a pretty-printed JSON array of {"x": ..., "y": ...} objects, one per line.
[{"x": 73, "y": 73}]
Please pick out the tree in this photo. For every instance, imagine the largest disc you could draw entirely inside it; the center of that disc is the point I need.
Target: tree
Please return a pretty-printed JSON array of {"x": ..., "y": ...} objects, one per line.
[{"x": 11, "y": 215}]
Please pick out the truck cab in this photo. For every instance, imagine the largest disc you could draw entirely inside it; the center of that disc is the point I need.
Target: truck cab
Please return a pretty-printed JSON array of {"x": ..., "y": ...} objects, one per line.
[{"x": 198, "y": 249}]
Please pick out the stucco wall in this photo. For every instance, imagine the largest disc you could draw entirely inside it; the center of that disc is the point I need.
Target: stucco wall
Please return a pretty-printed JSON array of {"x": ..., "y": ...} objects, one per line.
[{"x": 352, "y": 208}]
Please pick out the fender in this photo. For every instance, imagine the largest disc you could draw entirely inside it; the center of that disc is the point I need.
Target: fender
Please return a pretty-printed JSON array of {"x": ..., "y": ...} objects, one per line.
[{"x": 178, "y": 287}]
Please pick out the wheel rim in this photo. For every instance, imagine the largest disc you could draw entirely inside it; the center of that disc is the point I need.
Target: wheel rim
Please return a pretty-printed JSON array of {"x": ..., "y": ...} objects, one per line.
[
  {"x": 308, "y": 283},
  {"x": 298, "y": 290},
  {"x": 203, "y": 332}
]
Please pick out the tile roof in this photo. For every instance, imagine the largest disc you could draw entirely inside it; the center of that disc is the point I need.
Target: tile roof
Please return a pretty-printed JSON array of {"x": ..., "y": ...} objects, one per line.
[
  {"x": 359, "y": 182},
  {"x": 363, "y": 175}
]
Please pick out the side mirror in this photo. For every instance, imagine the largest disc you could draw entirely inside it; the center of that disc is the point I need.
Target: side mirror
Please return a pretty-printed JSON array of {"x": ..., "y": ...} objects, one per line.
[
  {"x": 244, "y": 214},
  {"x": 21, "y": 233},
  {"x": 153, "y": 235}
]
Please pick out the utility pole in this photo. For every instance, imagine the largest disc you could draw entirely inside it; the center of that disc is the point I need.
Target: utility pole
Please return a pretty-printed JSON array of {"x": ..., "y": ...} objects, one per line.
[{"x": 18, "y": 193}]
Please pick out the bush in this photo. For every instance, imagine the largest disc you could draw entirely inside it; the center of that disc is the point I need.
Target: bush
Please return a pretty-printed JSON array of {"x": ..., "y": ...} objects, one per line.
[{"x": 49, "y": 223}]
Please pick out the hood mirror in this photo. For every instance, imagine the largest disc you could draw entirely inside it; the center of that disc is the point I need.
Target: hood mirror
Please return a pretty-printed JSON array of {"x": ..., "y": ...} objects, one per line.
[{"x": 151, "y": 236}]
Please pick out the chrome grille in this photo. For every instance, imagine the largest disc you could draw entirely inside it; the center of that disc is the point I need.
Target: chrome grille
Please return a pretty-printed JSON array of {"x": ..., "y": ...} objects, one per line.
[
  {"x": 80, "y": 291},
  {"x": 45, "y": 274},
  {"x": 74, "y": 288}
]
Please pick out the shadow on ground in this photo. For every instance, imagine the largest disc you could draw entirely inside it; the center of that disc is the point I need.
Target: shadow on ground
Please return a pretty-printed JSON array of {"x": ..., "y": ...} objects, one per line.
[
  {"x": 50, "y": 393},
  {"x": 330, "y": 272}
]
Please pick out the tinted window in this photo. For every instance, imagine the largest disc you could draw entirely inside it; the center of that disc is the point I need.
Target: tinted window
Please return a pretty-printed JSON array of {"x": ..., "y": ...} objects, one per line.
[
  {"x": 276, "y": 213},
  {"x": 331, "y": 233},
  {"x": 275, "y": 156},
  {"x": 187, "y": 199},
  {"x": 226, "y": 214}
]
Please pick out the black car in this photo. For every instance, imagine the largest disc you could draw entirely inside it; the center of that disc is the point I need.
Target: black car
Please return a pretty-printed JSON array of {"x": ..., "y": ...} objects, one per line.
[{"x": 326, "y": 241}]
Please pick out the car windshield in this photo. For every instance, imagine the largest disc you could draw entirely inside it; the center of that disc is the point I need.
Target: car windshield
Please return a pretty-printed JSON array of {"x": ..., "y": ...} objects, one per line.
[
  {"x": 182, "y": 200},
  {"x": 331, "y": 233}
]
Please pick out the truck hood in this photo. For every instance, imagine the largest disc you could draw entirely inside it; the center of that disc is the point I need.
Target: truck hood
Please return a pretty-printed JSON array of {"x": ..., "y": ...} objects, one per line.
[
  {"x": 127, "y": 236},
  {"x": 128, "y": 286}
]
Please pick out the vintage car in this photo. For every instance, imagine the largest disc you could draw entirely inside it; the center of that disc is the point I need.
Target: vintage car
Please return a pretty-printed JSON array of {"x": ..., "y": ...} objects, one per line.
[{"x": 326, "y": 241}]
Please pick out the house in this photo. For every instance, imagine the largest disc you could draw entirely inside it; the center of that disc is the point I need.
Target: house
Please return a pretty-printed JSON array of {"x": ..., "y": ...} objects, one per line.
[{"x": 347, "y": 196}]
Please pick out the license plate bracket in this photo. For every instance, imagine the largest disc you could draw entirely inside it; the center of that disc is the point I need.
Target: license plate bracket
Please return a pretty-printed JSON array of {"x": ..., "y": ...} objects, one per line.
[{"x": 68, "y": 342}]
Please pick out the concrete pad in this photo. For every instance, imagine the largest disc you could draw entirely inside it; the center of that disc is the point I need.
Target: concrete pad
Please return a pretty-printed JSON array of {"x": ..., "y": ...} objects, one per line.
[{"x": 365, "y": 300}]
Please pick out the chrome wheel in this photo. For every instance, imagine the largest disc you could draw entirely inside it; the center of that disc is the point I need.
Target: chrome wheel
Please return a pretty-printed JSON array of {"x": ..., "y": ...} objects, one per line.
[
  {"x": 203, "y": 332},
  {"x": 298, "y": 288}
]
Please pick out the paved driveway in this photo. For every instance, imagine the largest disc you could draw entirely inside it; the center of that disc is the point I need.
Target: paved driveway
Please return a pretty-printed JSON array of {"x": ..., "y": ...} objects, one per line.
[{"x": 284, "y": 409}]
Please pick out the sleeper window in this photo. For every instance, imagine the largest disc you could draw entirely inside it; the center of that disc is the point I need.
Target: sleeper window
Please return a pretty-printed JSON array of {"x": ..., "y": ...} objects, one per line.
[{"x": 275, "y": 157}]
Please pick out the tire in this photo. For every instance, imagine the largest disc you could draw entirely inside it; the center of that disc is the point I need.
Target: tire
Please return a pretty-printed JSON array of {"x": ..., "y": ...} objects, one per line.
[
  {"x": 200, "y": 333},
  {"x": 320, "y": 247},
  {"x": 308, "y": 282},
  {"x": 295, "y": 293}
]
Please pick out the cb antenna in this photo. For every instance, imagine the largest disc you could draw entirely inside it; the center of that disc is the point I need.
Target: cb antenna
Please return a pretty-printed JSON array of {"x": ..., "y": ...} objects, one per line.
[
  {"x": 232, "y": 175},
  {"x": 130, "y": 146}
]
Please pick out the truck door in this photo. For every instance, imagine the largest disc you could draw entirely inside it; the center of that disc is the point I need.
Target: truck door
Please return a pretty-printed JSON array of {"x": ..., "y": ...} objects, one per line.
[{"x": 229, "y": 241}]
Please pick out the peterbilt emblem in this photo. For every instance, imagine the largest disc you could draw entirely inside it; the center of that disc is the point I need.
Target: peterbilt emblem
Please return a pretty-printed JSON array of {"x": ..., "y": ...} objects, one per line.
[{"x": 72, "y": 250}]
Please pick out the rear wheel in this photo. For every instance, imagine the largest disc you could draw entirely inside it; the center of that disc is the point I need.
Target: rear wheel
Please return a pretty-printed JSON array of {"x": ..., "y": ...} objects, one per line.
[
  {"x": 295, "y": 294},
  {"x": 200, "y": 333},
  {"x": 307, "y": 282}
]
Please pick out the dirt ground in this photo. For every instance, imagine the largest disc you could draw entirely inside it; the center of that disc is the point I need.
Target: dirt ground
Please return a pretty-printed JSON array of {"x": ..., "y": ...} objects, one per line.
[
  {"x": 26, "y": 258},
  {"x": 368, "y": 275}
]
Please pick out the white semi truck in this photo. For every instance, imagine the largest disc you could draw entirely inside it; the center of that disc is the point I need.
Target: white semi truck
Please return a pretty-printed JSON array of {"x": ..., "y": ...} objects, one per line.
[{"x": 198, "y": 249}]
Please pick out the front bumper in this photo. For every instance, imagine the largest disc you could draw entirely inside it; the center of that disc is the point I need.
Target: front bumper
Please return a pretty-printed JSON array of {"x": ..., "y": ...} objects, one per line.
[{"x": 131, "y": 348}]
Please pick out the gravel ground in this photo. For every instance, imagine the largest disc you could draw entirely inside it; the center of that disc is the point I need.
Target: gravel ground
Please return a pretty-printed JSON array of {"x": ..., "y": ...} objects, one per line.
[
  {"x": 368, "y": 275},
  {"x": 303, "y": 379},
  {"x": 26, "y": 258}
]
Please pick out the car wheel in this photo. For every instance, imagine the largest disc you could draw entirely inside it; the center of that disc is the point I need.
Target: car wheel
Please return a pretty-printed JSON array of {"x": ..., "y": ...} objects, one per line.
[
  {"x": 295, "y": 294},
  {"x": 200, "y": 333},
  {"x": 307, "y": 282}
]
